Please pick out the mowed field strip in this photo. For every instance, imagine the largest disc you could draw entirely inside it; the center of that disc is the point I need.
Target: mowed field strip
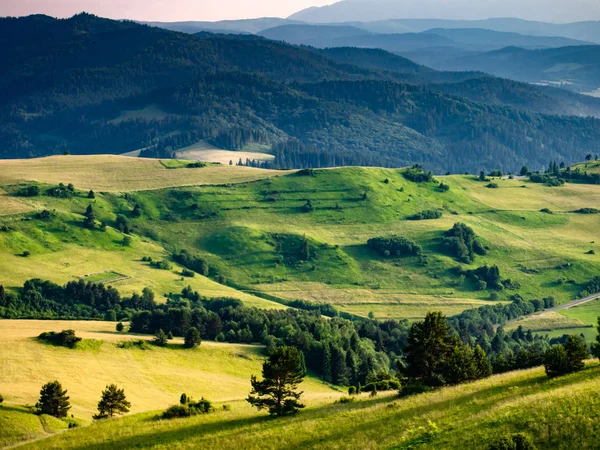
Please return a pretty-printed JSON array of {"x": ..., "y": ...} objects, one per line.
[{"x": 111, "y": 173}]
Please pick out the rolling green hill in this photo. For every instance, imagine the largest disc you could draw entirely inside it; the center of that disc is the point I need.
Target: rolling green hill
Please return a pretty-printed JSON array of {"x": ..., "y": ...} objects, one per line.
[{"x": 252, "y": 233}]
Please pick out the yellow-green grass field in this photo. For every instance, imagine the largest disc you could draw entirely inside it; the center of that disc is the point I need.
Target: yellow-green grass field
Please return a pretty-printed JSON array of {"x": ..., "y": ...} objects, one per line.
[
  {"x": 111, "y": 173},
  {"x": 152, "y": 378},
  {"x": 546, "y": 322},
  {"x": 203, "y": 151},
  {"x": 561, "y": 413}
]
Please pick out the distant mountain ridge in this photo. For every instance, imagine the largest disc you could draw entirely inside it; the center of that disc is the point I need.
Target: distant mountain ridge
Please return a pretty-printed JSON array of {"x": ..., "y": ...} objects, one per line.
[{"x": 373, "y": 10}]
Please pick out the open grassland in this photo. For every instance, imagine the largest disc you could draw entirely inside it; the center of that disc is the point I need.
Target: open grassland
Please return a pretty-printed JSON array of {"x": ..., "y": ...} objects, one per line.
[
  {"x": 11, "y": 205},
  {"x": 562, "y": 413},
  {"x": 546, "y": 322},
  {"x": 110, "y": 173},
  {"x": 63, "y": 253},
  {"x": 252, "y": 232},
  {"x": 587, "y": 313},
  {"x": 152, "y": 378}
]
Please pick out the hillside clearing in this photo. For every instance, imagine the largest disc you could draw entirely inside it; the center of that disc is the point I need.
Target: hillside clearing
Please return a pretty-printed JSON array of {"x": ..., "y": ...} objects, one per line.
[{"x": 110, "y": 173}]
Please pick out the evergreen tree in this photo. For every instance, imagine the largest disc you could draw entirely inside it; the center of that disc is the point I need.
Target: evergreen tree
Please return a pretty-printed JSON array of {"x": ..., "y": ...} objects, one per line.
[
  {"x": 192, "y": 338},
  {"x": 326, "y": 363},
  {"x": 460, "y": 366},
  {"x": 282, "y": 373},
  {"x": 524, "y": 171},
  {"x": 566, "y": 358},
  {"x": 137, "y": 211},
  {"x": 91, "y": 195},
  {"x": 113, "y": 401},
  {"x": 483, "y": 368},
  {"x": 89, "y": 220},
  {"x": 430, "y": 345},
  {"x": 160, "y": 338},
  {"x": 120, "y": 327},
  {"x": 53, "y": 400},
  {"x": 305, "y": 250}
]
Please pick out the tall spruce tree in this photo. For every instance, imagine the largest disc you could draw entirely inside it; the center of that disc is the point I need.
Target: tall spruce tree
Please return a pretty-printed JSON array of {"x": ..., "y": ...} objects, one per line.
[
  {"x": 89, "y": 220},
  {"x": 282, "y": 373},
  {"x": 430, "y": 345}
]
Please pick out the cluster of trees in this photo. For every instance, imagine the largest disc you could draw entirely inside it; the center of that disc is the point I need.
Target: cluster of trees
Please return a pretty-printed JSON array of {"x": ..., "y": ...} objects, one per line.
[
  {"x": 339, "y": 350},
  {"x": 426, "y": 215},
  {"x": 65, "y": 338},
  {"x": 41, "y": 299},
  {"x": 416, "y": 174},
  {"x": 566, "y": 358},
  {"x": 394, "y": 246},
  {"x": 487, "y": 277},
  {"x": 435, "y": 355},
  {"x": 462, "y": 243},
  {"x": 188, "y": 407},
  {"x": 54, "y": 401}
]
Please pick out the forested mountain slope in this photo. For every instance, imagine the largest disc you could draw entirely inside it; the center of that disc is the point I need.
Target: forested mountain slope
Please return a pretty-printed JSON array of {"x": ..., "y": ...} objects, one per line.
[{"x": 82, "y": 91}]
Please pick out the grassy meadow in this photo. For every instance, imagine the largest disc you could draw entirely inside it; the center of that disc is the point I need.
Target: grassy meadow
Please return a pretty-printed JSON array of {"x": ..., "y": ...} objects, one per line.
[
  {"x": 561, "y": 413},
  {"x": 249, "y": 225},
  {"x": 153, "y": 378}
]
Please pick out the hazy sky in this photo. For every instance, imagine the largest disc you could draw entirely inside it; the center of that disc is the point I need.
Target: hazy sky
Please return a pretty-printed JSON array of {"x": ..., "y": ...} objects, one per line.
[{"x": 160, "y": 10}]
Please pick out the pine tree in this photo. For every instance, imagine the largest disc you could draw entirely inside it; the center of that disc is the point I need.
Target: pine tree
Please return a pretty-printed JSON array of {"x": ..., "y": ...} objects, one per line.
[
  {"x": 53, "y": 400},
  {"x": 89, "y": 220},
  {"x": 326, "y": 363},
  {"x": 430, "y": 345},
  {"x": 91, "y": 195},
  {"x": 305, "y": 250},
  {"x": 160, "y": 338},
  {"x": 192, "y": 338},
  {"x": 483, "y": 368},
  {"x": 282, "y": 373},
  {"x": 113, "y": 402}
]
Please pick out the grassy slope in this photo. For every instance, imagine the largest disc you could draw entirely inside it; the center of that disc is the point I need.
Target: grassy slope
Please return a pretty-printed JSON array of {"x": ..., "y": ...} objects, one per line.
[
  {"x": 112, "y": 173},
  {"x": 153, "y": 379},
  {"x": 236, "y": 226},
  {"x": 562, "y": 413}
]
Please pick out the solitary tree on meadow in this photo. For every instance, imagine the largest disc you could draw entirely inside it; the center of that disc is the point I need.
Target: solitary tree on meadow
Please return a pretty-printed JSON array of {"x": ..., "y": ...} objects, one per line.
[
  {"x": 192, "y": 338},
  {"x": 282, "y": 373},
  {"x": 89, "y": 220},
  {"x": 113, "y": 401},
  {"x": 53, "y": 400}
]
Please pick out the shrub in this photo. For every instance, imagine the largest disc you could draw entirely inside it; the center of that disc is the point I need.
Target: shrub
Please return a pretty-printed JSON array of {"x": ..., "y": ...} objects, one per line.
[
  {"x": 492, "y": 186},
  {"x": 120, "y": 327},
  {"x": 29, "y": 191},
  {"x": 139, "y": 343},
  {"x": 188, "y": 273},
  {"x": 192, "y": 262},
  {"x": 162, "y": 265},
  {"x": 127, "y": 240},
  {"x": 188, "y": 409},
  {"x": 587, "y": 211},
  {"x": 344, "y": 400},
  {"x": 65, "y": 338},
  {"x": 160, "y": 339},
  {"x": 443, "y": 187},
  {"x": 394, "y": 246},
  {"x": 1, "y": 399},
  {"x": 425, "y": 215},
  {"x": 351, "y": 390},
  {"x": 417, "y": 175},
  {"x": 546, "y": 211},
  {"x": 518, "y": 441}
]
